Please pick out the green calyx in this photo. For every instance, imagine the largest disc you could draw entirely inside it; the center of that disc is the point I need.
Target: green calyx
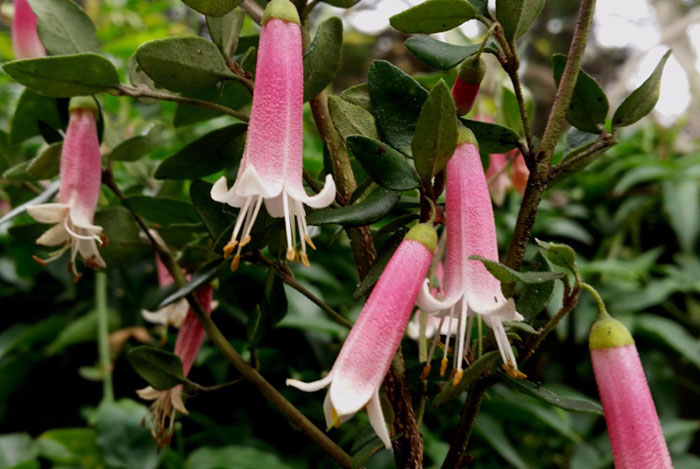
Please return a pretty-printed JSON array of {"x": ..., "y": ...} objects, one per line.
[
  {"x": 425, "y": 234},
  {"x": 472, "y": 70},
  {"x": 464, "y": 135},
  {"x": 608, "y": 332},
  {"x": 84, "y": 102},
  {"x": 281, "y": 9}
]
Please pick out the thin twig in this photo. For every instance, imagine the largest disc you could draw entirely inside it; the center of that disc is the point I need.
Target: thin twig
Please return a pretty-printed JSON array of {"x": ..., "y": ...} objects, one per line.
[{"x": 253, "y": 10}]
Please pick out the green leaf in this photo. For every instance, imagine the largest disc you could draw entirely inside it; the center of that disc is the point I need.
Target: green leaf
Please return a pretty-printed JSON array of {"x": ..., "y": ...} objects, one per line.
[
  {"x": 203, "y": 276},
  {"x": 358, "y": 95},
  {"x": 439, "y": 54},
  {"x": 642, "y": 100},
  {"x": 232, "y": 94},
  {"x": 46, "y": 164},
  {"x": 124, "y": 441},
  {"x": 208, "y": 154},
  {"x": 138, "y": 146},
  {"x": 433, "y": 16},
  {"x": 492, "y": 138},
  {"x": 516, "y": 16},
  {"x": 240, "y": 457},
  {"x": 545, "y": 395},
  {"x": 491, "y": 430},
  {"x": 161, "y": 369},
  {"x": 672, "y": 334},
  {"x": 341, "y": 3},
  {"x": 64, "y": 28},
  {"x": 322, "y": 58},
  {"x": 373, "y": 208},
  {"x": 682, "y": 205},
  {"x": 435, "y": 139},
  {"x": 65, "y": 75},
  {"x": 558, "y": 254},
  {"x": 224, "y": 30},
  {"x": 397, "y": 100},
  {"x": 123, "y": 236},
  {"x": 482, "y": 6},
  {"x": 472, "y": 372},
  {"x": 351, "y": 119},
  {"x": 275, "y": 303},
  {"x": 364, "y": 448},
  {"x": 384, "y": 164},
  {"x": 212, "y": 213},
  {"x": 534, "y": 298},
  {"x": 16, "y": 449},
  {"x": 183, "y": 63},
  {"x": 31, "y": 109},
  {"x": 162, "y": 210},
  {"x": 82, "y": 329},
  {"x": 589, "y": 105},
  {"x": 71, "y": 446},
  {"x": 507, "y": 275},
  {"x": 213, "y": 7}
]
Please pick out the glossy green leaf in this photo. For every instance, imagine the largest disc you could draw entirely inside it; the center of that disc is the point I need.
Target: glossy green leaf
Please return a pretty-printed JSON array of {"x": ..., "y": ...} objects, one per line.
[
  {"x": 208, "y": 154},
  {"x": 322, "y": 58},
  {"x": 516, "y": 16},
  {"x": 341, "y": 3},
  {"x": 161, "y": 369},
  {"x": 439, "y": 54},
  {"x": 138, "y": 146},
  {"x": 203, "y": 276},
  {"x": 472, "y": 372},
  {"x": 64, "y": 28},
  {"x": 397, "y": 100},
  {"x": 183, "y": 63},
  {"x": 545, "y": 395},
  {"x": 213, "y": 7},
  {"x": 125, "y": 442},
  {"x": 589, "y": 105},
  {"x": 224, "y": 30},
  {"x": 385, "y": 165},
  {"x": 642, "y": 100},
  {"x": 373, "y": 208},
  {"x": 47, "y": 163},
  {"x": 31, "y": 109},
  {"x": 351, "y": 119},
  {"x": 64, "y": 75},
  {"x": 435, "y": 139},
  {"x": 507, "y": 275},
  {"x": 433, "y": 16},
  {"x": 492, "y": 138},
  {"x": 162, "y": 210},
  {"x": 212, "y": 213},
  {"x": 71, "y": 446},
  {"x": 558, "y": 254}
]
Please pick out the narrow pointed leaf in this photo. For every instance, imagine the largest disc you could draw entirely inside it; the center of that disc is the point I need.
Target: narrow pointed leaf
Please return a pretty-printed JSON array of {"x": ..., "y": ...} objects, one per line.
[
  {"x": 213, "y": 7},
  {"x": 516, "y": 16},
  {"x": 351, "y": 119},
  {"x": 507, "y": 275},
  {"x": 161, "y": 369},
  {"x": 366, "y": 212},
  {"x": 341, "y": 3},
  {"x": 138, "y": 146},
  {"x": 589, "y": 105},
  {"x": 472, "y": 372},
  {"x": 385, "y": 165},
  {"x": 492, "y": 138},
  {"x": 64, "y": 27},
  {"x": 47, "y": 163},
  {"x": 538, "y": 392},
  {"x": 202, "y": 277},
  {"x": 439, "y": 54},
  {"x": 433, "y": 16},
  {"x": 322, "y": 58},
  {"x": 224, "y": 30}
]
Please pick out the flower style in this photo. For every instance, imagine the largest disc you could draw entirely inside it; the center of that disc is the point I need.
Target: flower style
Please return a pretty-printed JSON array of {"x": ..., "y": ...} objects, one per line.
[
  {"x": 271, "y": 168},
  {"x": 79, "y": 191},
  {"x": 169, "y": 401},
  {"x": 469, "y": 287},
  {"x": 633, "y": 425},
  {"x": 364, "y": 360},
  {"x": 25, "y": 39}
]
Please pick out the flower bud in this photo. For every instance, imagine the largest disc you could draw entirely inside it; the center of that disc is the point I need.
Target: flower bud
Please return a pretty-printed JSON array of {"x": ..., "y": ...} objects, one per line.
[
  {"x": 466, "y": 86},
  {"x": 25, "y": 39}
]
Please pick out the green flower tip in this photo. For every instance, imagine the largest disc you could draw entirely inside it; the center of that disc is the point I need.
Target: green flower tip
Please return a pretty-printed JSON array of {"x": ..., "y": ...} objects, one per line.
[
  {"x": 608, "y": 333},
  {"x": 425, "y": 234},
  {"x": 472, "y": 70},
  {"x": 84, "y": 102},
  {"x": 464, "y": 135},
  {"x": 281, "y": 9}
]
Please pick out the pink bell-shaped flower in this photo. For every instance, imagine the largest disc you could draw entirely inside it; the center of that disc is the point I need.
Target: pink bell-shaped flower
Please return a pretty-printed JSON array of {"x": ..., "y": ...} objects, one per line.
[
  {"x": 633, "y": 425},
  {"x": 80, "y": 181},
  {"x": 469, "y": 287},
  {"x": 25, "y": 39},
  {"x": 272, "y": 164},
  {"x": 364, "y": 360},
  {"x": 167, "y": 402}
]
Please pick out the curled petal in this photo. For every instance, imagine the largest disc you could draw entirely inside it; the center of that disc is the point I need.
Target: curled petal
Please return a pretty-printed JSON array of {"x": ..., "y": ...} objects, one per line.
[
  {"x": 54, "y": 236},
  {"x": 376, "y": 419},
  {"x": 320, "y": 200},
  {"x": 312, "y": 386},
  {"x": 49, "y": 213}
]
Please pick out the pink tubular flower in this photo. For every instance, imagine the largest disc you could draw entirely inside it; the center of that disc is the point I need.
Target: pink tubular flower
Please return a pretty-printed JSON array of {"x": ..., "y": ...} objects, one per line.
[
  {"x": 359, "y": 370},
  {"x": 633, "y": 425},
  {"x": 168, "y": 401},
  {"x": 497, "y": 177},
  {"x": 81, "y": 177},
  {"x": 466, "y": 86},
  {"x": 469, "y": 287},
  {"x": 25, "y": 39},
  {"x": 271, "y": 168}
]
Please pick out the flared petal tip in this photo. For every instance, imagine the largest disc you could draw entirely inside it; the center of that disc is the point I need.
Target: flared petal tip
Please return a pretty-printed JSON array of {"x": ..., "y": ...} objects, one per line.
[
  {"x": 321, "y": 200},
  {"x": 48, "y": 213},
  {"x": 309, "y": 387},
  {"x": 428, "y": 303}
]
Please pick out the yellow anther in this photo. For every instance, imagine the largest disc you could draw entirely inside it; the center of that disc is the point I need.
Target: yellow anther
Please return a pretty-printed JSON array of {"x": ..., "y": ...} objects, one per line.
[
  {"x": 453, "y": 373},
  {"x": 103, "y": 240},
  {"x": 336, "y": 418},
  {"x": 512, "y": 371},
  {"x": 457, "y": 378},
  {"x": 234, "y": 263},
  {"x": 228, "y": 249},
  {"x": 307, "y": 238},
  {"x": 245, "y": 241},
  {"x": 291, "y": 253},
  {"x": 305, "y": 260},
  {"x": 443, "y": 366},
  {"x": 426, "y": 372}
]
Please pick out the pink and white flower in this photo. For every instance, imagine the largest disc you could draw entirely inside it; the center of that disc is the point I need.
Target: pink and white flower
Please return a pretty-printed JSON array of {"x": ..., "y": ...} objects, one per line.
[
  {"x": 358, "y": 372},
  {"x": 469, "y": 287},
  {"x": 170, "y": 315},
  {"x": 79, "y": 191},
  {"x": 272, "y": 164},
  {"x": 25, "y": 38}
]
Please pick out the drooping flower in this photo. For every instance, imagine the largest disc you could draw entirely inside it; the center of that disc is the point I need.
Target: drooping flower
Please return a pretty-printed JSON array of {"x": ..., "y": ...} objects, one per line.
[
  {"x": 366, "y": 355},
  {"x": 469, "y": 287},
  {"x": 633, "y": 425},
  {"x": 466, "y": 86},
  {"x": 432, "y": 324},
  {"x": 25, "y": 39},
  {"x": 172, "y": 314},
  {"x": 79, "y": 191},
  {"x": 169, "y": 401},
  {"x": 271, "y": 168}
]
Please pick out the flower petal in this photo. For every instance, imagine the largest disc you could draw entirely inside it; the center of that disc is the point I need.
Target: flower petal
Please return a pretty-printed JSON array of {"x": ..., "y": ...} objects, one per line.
[
  {"x": 250, "y": 183},
  {"x": 376, "y": 419},
  {"x": 48, "y": 213},
  {"x": 312, "y": 386},
  {"x": 54, "y": 236},
  {"x": 427, "y": 302},
  {"x": 320, "y": 200}
]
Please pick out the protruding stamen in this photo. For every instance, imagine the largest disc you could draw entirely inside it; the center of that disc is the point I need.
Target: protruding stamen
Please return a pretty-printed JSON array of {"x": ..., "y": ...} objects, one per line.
[
  {"x": 311, "y": 244},
  {"x": 457, "y": 377},
  {"x": 426, "y": 372},
  {"x": 234, "y": 263},
  {"x": 443, "y": 366},
  {"x": 513, "y": 371},
  {"x": 75, "y": 235},
  {"x": 229, "y": 248},
  {"x": 305, "y": 260},
  {"x": 291, "y": 253},
  {"x": 103, "y": 240},
  {"x": 244, "y": 242}
]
